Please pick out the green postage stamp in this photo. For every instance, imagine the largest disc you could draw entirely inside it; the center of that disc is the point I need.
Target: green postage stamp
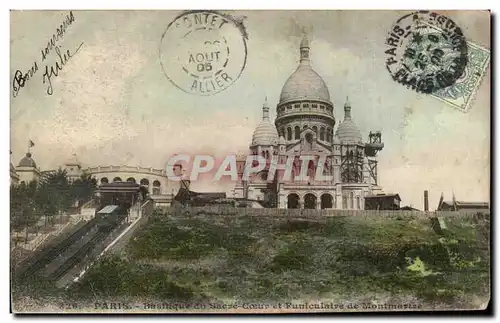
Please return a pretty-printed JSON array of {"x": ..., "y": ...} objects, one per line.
[{"x": 461, "y": 94}]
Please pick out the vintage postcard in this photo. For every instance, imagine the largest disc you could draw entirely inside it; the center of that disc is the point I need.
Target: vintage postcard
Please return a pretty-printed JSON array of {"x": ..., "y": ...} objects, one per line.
[{"x": 282, "y": 161}]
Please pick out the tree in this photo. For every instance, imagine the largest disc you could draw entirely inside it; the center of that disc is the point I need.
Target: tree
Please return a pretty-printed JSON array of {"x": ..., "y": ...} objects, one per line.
[
  {"x": 83, "y": 189},
  {"x": 51, "y": 196},
  {"x": 55, "y": 193},
  {"x": 23, "y": 207}
]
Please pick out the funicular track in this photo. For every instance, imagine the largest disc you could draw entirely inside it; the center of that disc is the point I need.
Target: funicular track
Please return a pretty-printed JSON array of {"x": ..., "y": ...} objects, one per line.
[
  {"x": 55, "y": 261},
  {"x": 85, "y": 250}
]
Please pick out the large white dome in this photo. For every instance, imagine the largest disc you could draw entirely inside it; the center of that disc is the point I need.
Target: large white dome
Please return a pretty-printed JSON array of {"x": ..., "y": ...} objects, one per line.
[{"x": 304, "y": 83}]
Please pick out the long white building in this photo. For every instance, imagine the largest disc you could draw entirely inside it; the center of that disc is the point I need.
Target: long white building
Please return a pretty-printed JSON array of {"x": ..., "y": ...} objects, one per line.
[{"x": 160, "y": 188}]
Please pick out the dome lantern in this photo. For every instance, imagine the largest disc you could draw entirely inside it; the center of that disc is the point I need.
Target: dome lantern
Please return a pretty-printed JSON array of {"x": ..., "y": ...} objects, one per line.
[
  {"x": 347, "y": 109},
  {"x": 304, "y": 51},
  {"x": 265, "y": 110}
]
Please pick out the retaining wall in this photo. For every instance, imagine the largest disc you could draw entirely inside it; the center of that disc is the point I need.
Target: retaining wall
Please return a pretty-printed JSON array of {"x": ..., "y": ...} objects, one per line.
[{"x": 226, "y": 210}]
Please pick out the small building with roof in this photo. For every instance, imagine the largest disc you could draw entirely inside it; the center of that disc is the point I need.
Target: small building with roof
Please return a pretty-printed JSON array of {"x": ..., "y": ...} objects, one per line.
[
  {"x": 383, "y": 202},
  {"x": 463, "y": 206}
]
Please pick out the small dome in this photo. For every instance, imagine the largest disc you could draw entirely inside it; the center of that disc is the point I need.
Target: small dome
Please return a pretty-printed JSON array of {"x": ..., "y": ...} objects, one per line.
[
  {"x": 72, "y": 161},
  {"x": 347, "y": 131},
  {"x": 282, "y": 141},
  {"x": 27, "y": 161},
  {"x": 265, "y": 134}
]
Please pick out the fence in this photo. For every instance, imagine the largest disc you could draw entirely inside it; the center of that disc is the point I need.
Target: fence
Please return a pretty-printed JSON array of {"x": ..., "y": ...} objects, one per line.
[{"x": 227, "y": 210}]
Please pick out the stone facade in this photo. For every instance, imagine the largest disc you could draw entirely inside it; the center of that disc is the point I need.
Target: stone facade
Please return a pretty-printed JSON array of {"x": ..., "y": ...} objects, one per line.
[{"x": 304, "y": 126}]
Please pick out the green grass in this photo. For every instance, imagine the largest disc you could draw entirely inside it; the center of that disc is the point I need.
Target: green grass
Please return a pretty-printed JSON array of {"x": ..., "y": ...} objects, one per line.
[{"x": 276, "y": 259}]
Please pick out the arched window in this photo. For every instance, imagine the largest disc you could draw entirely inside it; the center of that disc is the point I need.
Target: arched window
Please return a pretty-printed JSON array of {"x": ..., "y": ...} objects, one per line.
[
  {"x": 289, "y": 134},
  {"x": 144, "y": 182},
  {"x": 104, "y": 180},
  {"x": 326, "y": 201},
  {"x": 293, "y": 201},
  {"x": 117, "y": 179},
  {"x": 131, "y": 179},
  {"x": 315, "y": 129},
  {"x": 297, "y": 132},
  {"x": 358, "y": 202},
  {"x": 311, "y": 168},
  {"x": 329, "y": 134},
  {"x": 156, "y": 187},
  {"x": 351, "y": 200},
  {"x": 322, "y": 134}
]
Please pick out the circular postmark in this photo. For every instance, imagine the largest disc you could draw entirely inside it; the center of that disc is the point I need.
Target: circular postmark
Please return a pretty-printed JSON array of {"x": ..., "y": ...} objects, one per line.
[
  {"x": 425, "y": 51},
  {"x": 203, "y": 52}
]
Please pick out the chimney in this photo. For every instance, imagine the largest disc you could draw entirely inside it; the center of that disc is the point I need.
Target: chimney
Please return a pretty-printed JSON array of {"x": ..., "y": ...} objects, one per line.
[{"x": 426, "y": 201}]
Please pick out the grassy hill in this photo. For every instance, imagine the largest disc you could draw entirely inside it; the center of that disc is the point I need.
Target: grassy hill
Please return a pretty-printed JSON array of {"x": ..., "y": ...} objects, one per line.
[{"x": 364, "y": 260}]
